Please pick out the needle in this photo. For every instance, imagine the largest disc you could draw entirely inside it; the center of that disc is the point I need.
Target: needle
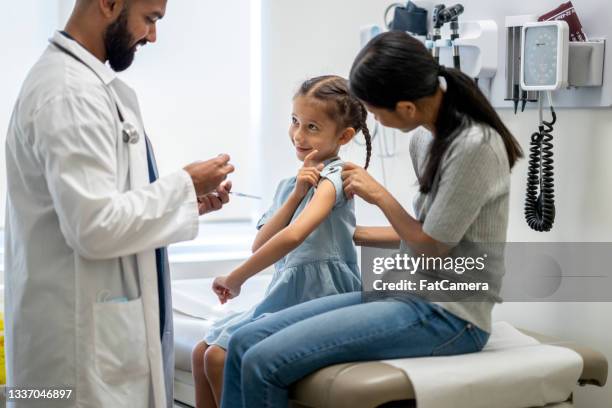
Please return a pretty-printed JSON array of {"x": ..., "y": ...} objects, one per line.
[{"x": 245, "y": 195}]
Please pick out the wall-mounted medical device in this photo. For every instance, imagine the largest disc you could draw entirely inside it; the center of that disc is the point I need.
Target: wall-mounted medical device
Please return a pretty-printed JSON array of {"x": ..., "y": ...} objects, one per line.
[
  {"x": 493, "y": 56},
  {"x": 544, "y": 67},
  {"x": 547, "y": 64},
  {"x": 544, "y": 57},
  {"x": 555, "y": 53},
  {"x": 469, "y": 45}
]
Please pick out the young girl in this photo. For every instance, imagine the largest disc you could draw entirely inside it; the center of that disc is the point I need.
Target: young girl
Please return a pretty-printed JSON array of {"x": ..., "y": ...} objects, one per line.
[{"x": 308, "y": 231}]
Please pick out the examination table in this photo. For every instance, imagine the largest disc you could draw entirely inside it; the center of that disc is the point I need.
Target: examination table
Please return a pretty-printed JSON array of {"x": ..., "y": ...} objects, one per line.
[{"x": 350, "y": 385}]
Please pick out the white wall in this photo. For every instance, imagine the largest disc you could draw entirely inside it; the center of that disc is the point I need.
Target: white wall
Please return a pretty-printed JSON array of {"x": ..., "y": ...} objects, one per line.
[
  {"x": 194, "y": 89},
  {"x": 303, "y": 39},
  {"x": 583, "y": 197},
  {"x": 194, "y": 84}
]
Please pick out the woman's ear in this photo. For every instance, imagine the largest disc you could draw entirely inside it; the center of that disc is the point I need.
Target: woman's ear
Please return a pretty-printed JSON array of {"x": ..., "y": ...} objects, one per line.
[
  {"x": 406, "y": 110},
  {"x": 347, "y": 135}
]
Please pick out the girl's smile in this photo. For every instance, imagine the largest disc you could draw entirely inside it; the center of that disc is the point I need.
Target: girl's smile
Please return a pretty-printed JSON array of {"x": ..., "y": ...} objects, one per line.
[
  {"x": 303, "y": 150},
  {"x": 312, "y": 129}
]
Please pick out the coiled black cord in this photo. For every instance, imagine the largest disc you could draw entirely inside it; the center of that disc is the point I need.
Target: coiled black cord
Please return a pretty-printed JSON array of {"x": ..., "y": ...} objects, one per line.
[{"x": 540, "y": 208}]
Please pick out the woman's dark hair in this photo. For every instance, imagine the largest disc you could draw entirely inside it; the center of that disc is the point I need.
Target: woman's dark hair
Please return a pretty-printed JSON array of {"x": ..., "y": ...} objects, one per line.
[
  {"x": 396, "y": 67},
  {"x": 347, "y": 110}
]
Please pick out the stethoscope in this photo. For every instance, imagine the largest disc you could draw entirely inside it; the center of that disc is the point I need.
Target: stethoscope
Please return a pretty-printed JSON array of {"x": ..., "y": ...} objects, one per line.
[{"x": 129, "y": 132}]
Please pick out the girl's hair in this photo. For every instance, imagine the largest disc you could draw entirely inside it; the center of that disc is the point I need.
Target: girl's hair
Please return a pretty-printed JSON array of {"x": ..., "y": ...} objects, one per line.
[
  {"x": 396, "y": 67},
  {"x": 347, "y": 110}
]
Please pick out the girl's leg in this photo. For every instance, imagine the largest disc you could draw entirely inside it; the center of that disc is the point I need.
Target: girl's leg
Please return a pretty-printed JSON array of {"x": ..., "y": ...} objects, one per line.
[
  {"x": 204, "y": 397},
  {"x": 367, "y": 331},
  {"x": 214, "y": 359},
  {"x": 264, "y": 327}
]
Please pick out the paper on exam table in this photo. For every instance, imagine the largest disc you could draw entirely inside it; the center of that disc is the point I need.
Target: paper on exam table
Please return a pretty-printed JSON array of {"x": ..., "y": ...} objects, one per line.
[
  {"x": 513, "y": 370},
  {"x": 194, "y": 297}
]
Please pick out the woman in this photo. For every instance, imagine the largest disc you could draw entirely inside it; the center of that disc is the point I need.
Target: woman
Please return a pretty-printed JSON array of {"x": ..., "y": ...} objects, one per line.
[{"x": 462, "y": 155}]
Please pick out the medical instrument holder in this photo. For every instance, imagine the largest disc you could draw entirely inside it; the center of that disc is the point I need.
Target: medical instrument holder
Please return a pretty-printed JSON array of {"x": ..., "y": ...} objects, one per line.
[
  {"x": 585, "y": 63},
  {"x": 477, "y": 46},
  {"x": 589, "y": 86},
  {"x": 514, "y": 93}
]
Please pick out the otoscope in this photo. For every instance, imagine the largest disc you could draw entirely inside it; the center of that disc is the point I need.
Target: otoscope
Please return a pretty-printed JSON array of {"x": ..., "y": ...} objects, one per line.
[
  {"x": 451, "y": 14},
  {"x": 437, "y": 24}
]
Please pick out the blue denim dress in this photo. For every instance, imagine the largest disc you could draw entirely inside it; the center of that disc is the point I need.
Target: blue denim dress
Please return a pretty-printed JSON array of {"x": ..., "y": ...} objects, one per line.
[{"x": 324, "y": 264}]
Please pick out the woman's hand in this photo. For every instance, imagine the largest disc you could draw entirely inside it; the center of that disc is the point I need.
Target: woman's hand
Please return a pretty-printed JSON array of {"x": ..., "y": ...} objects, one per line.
[
  {"x": 225, "y": 288},
  {"x": 357, "y": 181},
  {"x": 309, "y": 175}
]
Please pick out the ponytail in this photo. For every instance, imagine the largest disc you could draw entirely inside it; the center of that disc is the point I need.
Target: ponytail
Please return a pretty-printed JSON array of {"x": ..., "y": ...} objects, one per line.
[
  {"x": 396, "y": 67},
  {"x": 463, "y": 104}
]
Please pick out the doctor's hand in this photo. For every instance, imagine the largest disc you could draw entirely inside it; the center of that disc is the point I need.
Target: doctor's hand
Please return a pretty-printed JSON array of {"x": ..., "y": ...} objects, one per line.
[
  {"x": 357, "y": 181},
  {"x": 214, "y": 201},
  {"x": 208, "y": 175},
  {"x": 225, "y": 289},
  {"x": 308, "y": 175}
]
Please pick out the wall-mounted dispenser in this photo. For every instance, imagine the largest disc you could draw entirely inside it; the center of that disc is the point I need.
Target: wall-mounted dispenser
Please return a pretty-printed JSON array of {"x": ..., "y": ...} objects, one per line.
[{"x": 586, "y": 63}]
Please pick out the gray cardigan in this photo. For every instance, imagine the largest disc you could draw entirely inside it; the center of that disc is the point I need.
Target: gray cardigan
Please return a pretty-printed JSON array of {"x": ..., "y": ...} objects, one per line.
[{"x": 467, "y": 204}]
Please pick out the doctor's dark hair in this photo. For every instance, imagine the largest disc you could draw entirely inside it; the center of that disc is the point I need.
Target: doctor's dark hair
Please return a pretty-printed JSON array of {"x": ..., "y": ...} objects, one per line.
[
  {"x": 396, "y": 67},
  {"x": 344, "y": 108}
]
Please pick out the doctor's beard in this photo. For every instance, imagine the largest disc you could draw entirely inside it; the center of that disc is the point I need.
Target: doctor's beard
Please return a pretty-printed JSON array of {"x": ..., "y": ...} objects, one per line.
[{"x": 118, "y": 43}]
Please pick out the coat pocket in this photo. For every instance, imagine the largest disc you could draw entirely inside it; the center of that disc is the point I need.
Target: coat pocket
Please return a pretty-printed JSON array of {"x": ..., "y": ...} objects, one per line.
[{"x": 120, "y": 340}]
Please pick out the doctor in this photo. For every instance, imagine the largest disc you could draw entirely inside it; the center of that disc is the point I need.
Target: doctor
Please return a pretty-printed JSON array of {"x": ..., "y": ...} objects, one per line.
[{"x": 87, "y": 284}]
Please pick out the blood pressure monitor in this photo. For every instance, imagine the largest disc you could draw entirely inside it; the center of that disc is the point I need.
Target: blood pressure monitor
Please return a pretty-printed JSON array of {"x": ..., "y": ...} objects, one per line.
[{"x": 544, "y": 55}]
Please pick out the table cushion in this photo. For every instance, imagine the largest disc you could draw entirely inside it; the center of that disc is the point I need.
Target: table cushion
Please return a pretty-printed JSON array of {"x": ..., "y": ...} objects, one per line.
[{"x": 369, "y": 384}]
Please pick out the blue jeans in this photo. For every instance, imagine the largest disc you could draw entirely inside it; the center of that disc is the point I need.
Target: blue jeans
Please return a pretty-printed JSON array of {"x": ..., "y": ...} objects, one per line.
[{"x": 266, "y": 356}]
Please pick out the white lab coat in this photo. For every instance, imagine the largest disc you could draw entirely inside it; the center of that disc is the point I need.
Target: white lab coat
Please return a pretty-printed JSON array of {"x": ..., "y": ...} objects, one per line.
[{"x": 82, "y": 224}]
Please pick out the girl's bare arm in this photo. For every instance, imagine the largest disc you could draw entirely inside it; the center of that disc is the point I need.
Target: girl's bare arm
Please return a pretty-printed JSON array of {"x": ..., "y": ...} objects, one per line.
[
  {"x": 290, "y": 237},
  {"x": 277, "y": 222}
]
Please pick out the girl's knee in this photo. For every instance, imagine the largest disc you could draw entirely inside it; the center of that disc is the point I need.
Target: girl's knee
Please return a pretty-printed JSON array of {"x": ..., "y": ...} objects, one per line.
[
  {"x": 214, "y": 359},
  {"x": 197, "y": 355}
]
